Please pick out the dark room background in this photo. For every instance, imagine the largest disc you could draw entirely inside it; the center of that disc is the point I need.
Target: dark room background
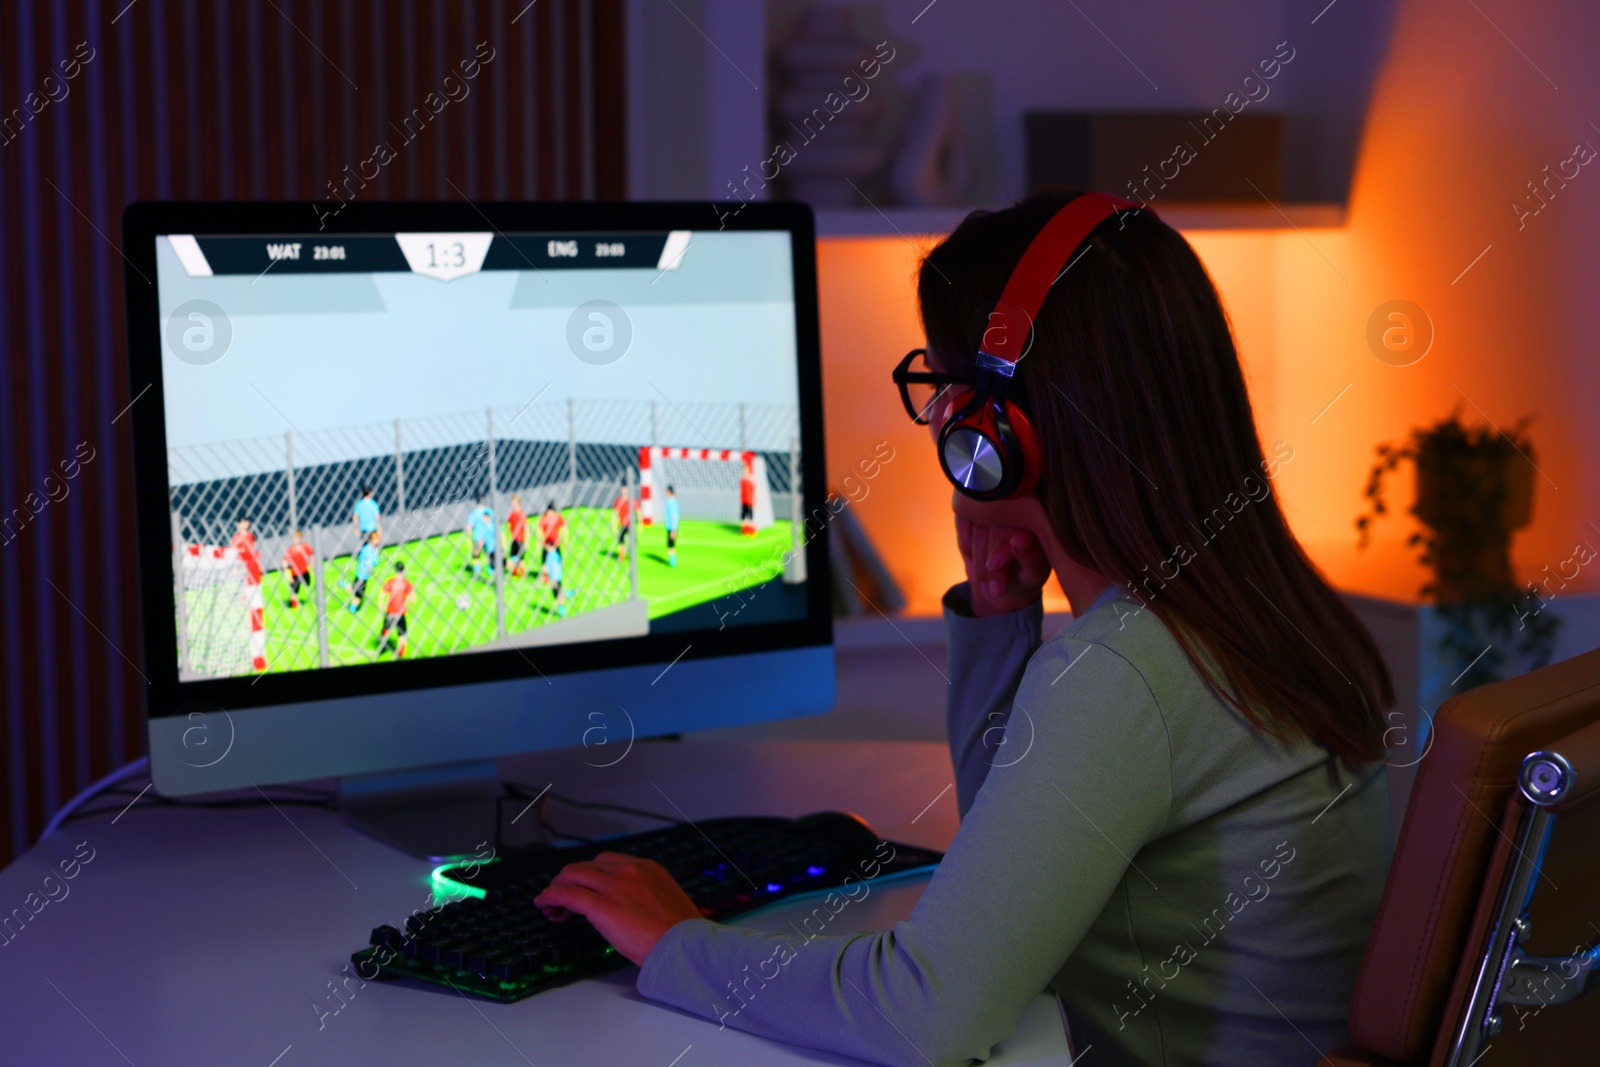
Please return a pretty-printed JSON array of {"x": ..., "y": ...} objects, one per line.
[{"x": 102, "y": 104}]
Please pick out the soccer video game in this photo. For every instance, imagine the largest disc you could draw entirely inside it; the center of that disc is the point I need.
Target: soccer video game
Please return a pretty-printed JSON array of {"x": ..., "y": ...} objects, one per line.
[{"x": 394, "y": 446}]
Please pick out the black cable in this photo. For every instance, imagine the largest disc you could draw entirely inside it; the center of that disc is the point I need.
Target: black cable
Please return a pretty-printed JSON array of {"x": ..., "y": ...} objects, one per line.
[
  {"x": 537, "y": 801},
  {"x": 617, "y": 807},
  {"x": 542, "y": 797},
  {"x": 538, "y": 814},
  {"x": 527, "y": 793}
]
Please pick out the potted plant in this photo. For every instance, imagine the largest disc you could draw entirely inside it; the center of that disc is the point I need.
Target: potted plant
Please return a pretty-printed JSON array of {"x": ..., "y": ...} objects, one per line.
[{"x": 1474, "y": 488}]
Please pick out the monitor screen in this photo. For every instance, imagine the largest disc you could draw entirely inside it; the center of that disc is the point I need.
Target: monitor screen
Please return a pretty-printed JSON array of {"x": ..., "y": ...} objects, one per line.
[{"x": 402, "y": 457}]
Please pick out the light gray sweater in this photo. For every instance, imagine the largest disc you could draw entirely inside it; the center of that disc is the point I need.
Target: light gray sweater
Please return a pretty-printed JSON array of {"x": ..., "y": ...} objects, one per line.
[{"x": 1193, "y": 890}]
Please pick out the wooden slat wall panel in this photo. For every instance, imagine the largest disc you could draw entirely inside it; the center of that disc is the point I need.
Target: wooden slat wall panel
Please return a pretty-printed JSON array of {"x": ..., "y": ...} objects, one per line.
[{"x": 209, "y": 99}]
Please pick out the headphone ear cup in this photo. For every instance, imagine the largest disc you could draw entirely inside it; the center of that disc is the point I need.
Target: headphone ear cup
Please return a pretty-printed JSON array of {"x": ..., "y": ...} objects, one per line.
[
  {"x": 1010, "y": 463},
  {"x": 974, "y": 450},
  {"x": 955, "y": 403},
  {"x": 1024, "y": 440}
]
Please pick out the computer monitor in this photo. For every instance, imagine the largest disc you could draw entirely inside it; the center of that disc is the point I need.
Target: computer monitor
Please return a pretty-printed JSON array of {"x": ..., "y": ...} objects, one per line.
[{"x": 423, "y": 484}]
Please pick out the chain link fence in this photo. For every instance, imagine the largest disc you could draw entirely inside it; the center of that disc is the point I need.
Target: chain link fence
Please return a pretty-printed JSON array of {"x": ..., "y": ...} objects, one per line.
[{"x": 447, "y": 490}]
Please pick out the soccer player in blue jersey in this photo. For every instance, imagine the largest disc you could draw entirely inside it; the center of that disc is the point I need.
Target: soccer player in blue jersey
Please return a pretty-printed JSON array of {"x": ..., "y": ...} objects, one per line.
[
  {"x": 669, "y": 519},
  {"x": 366, "y": 567},
  {"x": 481, "y": 524},
  {"x": 366, "y": 516},
  {"x": 552, "y": 566}
]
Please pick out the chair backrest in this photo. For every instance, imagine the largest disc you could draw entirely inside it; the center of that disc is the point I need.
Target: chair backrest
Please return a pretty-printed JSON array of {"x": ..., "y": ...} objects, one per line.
[{"x": 1453, "y": 851}]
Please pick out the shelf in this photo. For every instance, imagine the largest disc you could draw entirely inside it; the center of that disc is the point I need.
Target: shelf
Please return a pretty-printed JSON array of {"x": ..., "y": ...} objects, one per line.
[{"x": 909, "y": 222}]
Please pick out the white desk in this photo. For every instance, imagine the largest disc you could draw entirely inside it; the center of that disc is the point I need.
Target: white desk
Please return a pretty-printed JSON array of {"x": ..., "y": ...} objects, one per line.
[{"x": 212, "y": 937}]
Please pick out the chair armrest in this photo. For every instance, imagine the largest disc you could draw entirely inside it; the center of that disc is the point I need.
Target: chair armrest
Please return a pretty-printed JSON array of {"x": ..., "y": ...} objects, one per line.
[
  {"x": 1566, "y": 773},
  {"x": 1544, "y": 980}
]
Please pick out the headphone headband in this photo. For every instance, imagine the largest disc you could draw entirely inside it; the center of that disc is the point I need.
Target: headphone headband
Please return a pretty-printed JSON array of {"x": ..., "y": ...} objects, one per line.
[
  {"x": 988, "y": 446},
  {"x": 1005, "y": 338}
]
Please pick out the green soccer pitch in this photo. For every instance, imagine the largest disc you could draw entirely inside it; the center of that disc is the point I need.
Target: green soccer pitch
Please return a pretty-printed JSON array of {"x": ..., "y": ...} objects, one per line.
[{"x": 714, "y": 560}]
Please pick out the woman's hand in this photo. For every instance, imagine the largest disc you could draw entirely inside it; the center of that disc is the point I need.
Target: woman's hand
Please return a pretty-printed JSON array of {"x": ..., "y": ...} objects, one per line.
[
  {"x": 1006, "y": 565},
  {"x": 632, "y": 902}
]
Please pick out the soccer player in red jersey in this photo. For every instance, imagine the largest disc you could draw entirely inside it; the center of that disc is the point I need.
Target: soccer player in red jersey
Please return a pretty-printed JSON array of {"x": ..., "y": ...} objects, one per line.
[
  {"x": 552, "y": 525},
  {"x": 297, "y": 564},
  {"x": 747, "y": 500},
  {"x": 517, "y": 520},
  {"x": 398, "y": 593},
  {"x": 244, "y": 542},
  {"x": 624, "y": 507}
]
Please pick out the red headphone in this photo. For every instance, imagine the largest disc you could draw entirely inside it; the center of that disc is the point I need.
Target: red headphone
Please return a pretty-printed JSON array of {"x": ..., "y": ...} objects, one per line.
[{"x": 988, "y": 446}]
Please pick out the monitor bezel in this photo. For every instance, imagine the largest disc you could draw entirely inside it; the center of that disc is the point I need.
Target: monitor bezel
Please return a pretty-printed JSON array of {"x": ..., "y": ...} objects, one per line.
[{"x": 144, "y": 221}]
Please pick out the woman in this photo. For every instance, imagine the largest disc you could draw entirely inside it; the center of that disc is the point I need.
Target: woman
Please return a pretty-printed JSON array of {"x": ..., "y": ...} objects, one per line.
[{"x": 1192, "y": 848}]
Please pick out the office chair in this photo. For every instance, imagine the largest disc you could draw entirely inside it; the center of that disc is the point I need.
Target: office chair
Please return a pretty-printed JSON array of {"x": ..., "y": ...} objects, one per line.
[{"x": 1489, "y": 928}]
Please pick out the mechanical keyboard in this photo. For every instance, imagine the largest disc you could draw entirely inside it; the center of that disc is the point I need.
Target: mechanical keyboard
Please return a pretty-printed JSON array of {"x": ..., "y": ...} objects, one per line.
[{"x": 494, "y": 943}]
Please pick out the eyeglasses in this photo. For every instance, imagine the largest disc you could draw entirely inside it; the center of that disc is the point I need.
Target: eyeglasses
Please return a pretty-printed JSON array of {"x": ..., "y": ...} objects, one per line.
[{"x": 920, "y": 385}]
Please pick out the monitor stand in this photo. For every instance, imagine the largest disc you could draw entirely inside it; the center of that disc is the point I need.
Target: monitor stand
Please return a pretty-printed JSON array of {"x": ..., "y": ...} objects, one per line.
[{"x": 436, "y": 813}]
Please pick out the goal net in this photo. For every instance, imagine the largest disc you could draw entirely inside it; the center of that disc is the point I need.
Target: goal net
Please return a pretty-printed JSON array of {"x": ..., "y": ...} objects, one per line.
[
  {"x": 222, "y": 613},
  {"x": 709, "y": 484}
]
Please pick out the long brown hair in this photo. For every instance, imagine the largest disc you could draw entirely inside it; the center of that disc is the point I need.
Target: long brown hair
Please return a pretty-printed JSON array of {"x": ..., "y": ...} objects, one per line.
[{"x": 1153, "y": 473}]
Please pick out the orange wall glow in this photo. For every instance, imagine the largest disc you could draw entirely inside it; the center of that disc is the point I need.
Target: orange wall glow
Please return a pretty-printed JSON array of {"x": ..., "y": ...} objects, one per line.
[
  {"x": 869, "y": 319},
  {"x": 1461, "y": 122},
  {"x": 867, "y": 293}
]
